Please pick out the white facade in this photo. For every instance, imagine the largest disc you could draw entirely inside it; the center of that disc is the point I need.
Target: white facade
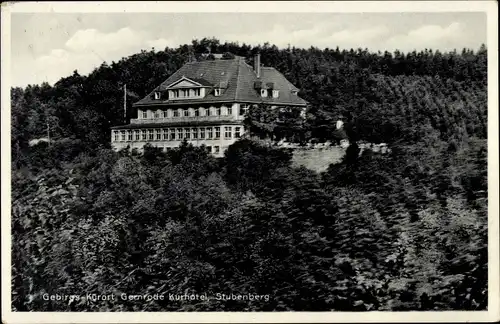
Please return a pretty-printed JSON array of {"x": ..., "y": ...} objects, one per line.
[{"x": 215, "y": 126}]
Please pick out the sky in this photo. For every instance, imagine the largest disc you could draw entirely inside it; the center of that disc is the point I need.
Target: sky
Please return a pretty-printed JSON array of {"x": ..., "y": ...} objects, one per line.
[{"x": 48, "y": 46}]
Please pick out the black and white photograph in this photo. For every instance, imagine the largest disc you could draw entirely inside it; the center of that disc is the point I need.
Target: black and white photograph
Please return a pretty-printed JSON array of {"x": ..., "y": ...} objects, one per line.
[{"x": 323, "y": 158}]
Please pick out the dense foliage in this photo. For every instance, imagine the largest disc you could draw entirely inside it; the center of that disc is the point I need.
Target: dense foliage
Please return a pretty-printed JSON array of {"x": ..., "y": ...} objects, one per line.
[{"x": 401, "y": 231}]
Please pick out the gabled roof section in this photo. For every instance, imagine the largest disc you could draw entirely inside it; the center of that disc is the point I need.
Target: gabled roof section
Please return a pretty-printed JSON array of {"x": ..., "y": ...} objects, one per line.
[
  {"x": 187, "y": 82},
  {"x": 236, "y": 79}
]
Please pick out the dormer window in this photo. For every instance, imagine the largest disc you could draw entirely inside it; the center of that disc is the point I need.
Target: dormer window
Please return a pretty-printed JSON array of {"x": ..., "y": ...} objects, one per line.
[
  {"x": 185, "y": 93},
  {"x": 185, "y": 88},
  {"x": 276, "y": 93},
  {"x": 217, "y": 92},
  {"x": 243, "y": 109},
  {"x": 263, "y": 93},
  {"x": 157, "y": 95}
]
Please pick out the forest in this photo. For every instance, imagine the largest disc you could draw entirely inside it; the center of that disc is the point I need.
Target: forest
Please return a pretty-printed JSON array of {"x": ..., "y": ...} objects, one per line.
[{"x": 393, "y": 232}]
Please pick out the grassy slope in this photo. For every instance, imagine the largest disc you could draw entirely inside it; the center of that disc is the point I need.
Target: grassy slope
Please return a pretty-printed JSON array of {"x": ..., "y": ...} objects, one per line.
[{"x": 317, "y": 159}]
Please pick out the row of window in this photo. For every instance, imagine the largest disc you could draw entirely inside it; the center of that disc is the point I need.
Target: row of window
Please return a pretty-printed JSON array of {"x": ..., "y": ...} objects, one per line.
[
  {"x": 196, "y": 93},
  {"x": 190, "y": 112},
  {"x": 176, "y": 134},
  {"x": 185, "y": 93},
  {"x": 180, "y": 93}
]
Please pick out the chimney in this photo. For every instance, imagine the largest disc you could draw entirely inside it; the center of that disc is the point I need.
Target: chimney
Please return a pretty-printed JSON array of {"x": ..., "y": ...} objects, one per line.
[{"x": 256, "y": 64}]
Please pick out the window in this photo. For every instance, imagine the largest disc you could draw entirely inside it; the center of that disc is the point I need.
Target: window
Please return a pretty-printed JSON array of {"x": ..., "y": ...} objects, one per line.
[
  {"x": 168, "y": 149},
  {"x": 185, "y": 93},
  {"x": 218, "y": 111},
  {"x": 187, "y": 133},
  {"x": 158, "y": 134},
  {"x": 229, "y": 110},
  {"x": 186, "y": 112},
  {"x": 175, "y": 94},
  {"x": 157, "y": 114},
  {"x": 217, "y": 132},
  {"x": 162, "y": 114},
  {"x": 202, "y": 133},
  {"x": 172, "y": 134},
  {"x": 243, "y": 109},
  {"x": 269, "y": 93},
  {"x": 150, "y": 135},
  {"x": 176, "y": 113},
  {"x": 137, "y": 136},
  {"x": 207, "y": 112},
  {"x": 122, "y": 135},
  {"x": 295, "y": 92},
  {"x": 157, "y": 95},
  {"x": 197, "y": 92},
  {"x": 276, "y": 93},
  {"x": 129, "y": 135},
  {"x": 116, "y": 136},
  {"x": 209, "y": 149},
  {"x": 209, "y": 133},
  {"x": 197, "y": 111},
  {"x": 194, "y": 131},
  {"x": 216, "y": 149},
  {"x": 228, "y": 132},
  {"x": 165, "y": 134},
  {"x": 217, "y": 92},
  {"x": 143, "y": 135},
  {"x": 263, "y": 92},
  {"x": 237, "y": 132},
  {"x": 144, "y": 114},
  {"x": 179, "y": 133}
]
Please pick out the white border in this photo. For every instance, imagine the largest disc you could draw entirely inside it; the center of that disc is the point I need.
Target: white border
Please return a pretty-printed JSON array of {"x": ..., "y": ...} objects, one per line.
[
  {"x": 491, "y": 7},
  {"x": 253, "y": 6}
]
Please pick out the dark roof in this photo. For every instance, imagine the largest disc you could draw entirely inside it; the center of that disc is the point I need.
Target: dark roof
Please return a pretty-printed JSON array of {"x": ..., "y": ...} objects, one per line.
[
  {"x": 237, "y": 77},
  {"x": 201, "y": 81}
]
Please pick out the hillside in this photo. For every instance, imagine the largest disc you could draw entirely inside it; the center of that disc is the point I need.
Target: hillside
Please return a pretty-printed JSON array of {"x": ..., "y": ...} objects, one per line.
[
  {"x": 334, "y": 81},
  {"x": 400, "y": 231}
]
